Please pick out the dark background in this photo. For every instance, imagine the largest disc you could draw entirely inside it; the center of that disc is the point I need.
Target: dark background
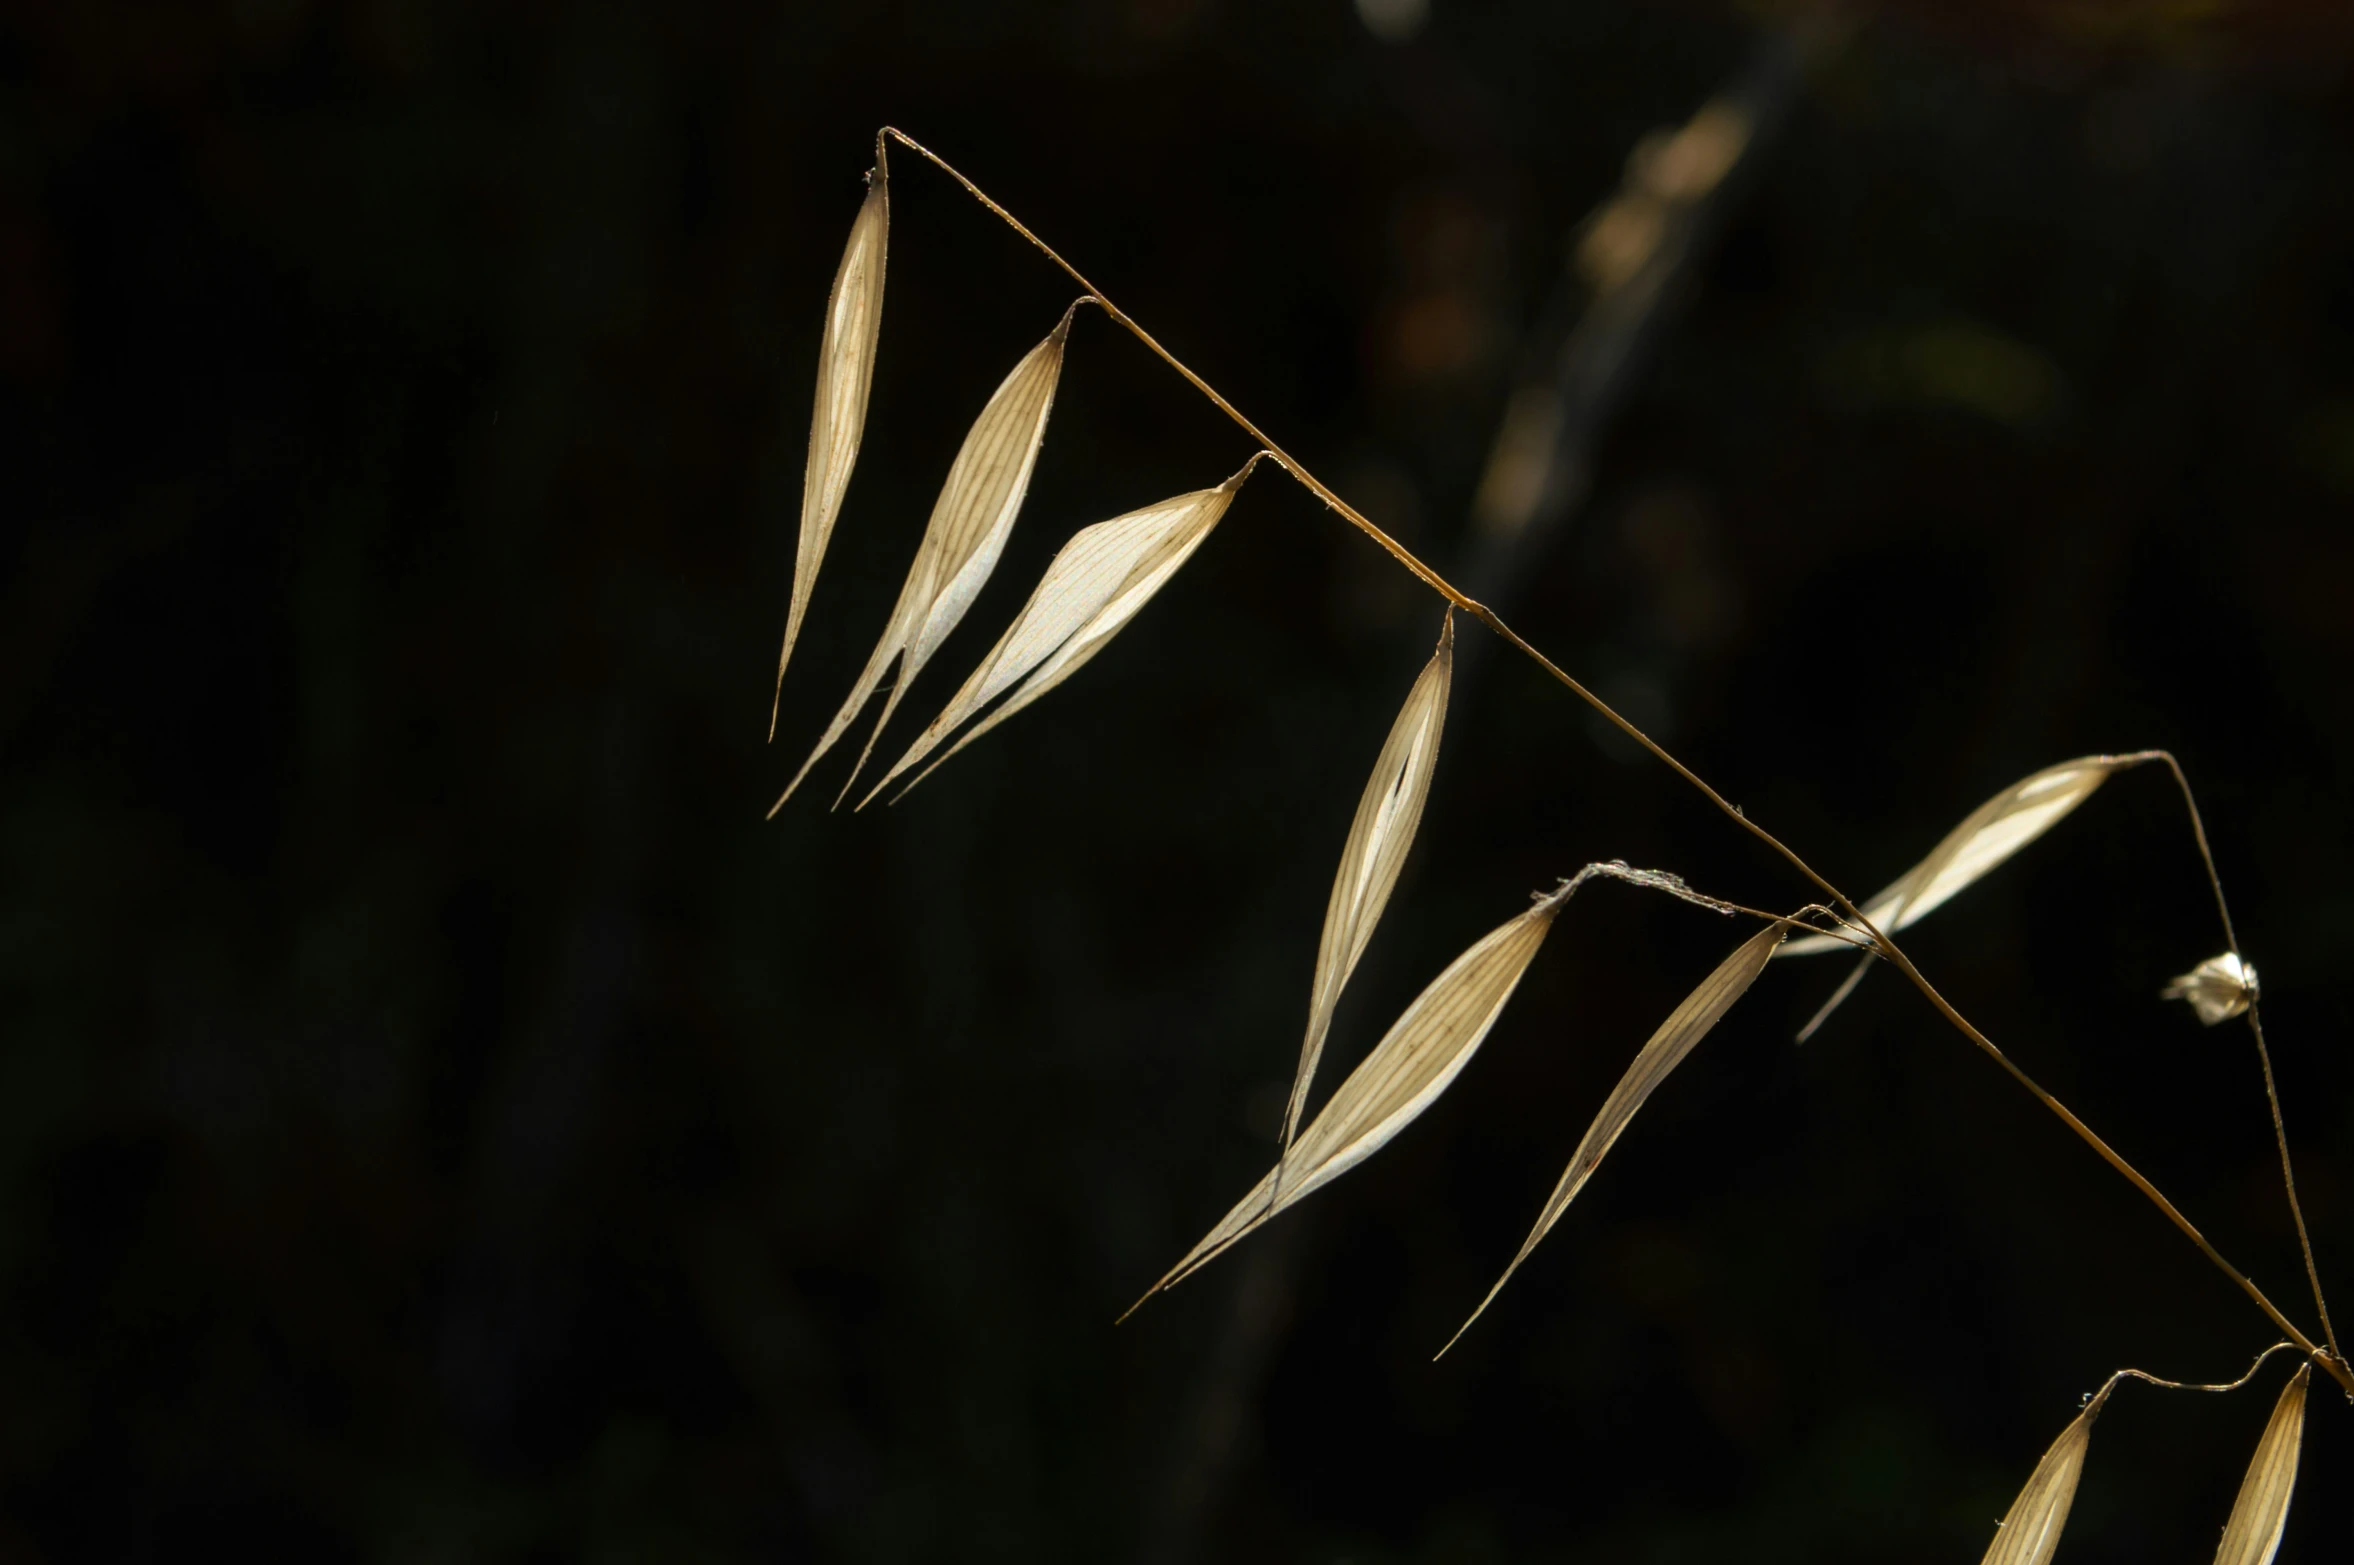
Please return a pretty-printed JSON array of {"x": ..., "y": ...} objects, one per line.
[{"x": 440, "y": 1121}]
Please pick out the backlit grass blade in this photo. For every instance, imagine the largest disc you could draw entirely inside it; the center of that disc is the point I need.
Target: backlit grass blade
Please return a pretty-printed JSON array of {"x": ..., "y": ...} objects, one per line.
[
  {"x": 1095, "y": 585},
  {"x": 966, "y": 534},
  {"x": 1419, "y": 1057},
  {"x": 1690, "y": 1022},
  {"x": 845, "y": 374},
  {"x": 1387, "y": 814},
  {"x": 2261, "y": 1513}
]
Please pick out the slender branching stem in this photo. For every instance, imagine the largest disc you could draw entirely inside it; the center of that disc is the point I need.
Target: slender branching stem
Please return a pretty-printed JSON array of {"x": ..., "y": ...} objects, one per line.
[
  {"x": 1398, "y": 551},
  {"x": 1404, "y": 556},
  {"x": 2288, "y": 1175},
  {"x": 2280, "y": 1133},
  {"x": 2095, "y": 1399},
  {"x": 1904, "y": 964},
  {"x": 2336, "y": 1366}
]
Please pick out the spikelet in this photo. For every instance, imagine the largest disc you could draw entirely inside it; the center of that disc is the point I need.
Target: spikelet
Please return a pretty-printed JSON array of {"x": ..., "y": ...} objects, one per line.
[
  {"x": 845, "y": 374},
  {"x": 1986, "y": 837},
  {"x": 967, "y": 532},
  {"x": 2218, "y": 989},
  {"x": 1685, "y": 1026},
  {"x": 1093, "y": 587},
  {"x": 2261, "y": 1513},
  {"x": 1416, "y": 1060},
  {"x": 1387, "y": 814},
  {"x": 2030, "y": 1530}
]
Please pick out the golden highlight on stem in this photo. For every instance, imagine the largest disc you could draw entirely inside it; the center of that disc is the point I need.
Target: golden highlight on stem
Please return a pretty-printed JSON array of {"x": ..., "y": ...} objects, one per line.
[{"x": 2330, "y": 1360}]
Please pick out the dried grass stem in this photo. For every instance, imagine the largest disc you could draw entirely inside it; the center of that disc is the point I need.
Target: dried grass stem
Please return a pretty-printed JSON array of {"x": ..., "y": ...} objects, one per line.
[{"x": 2330, "y": 1360}]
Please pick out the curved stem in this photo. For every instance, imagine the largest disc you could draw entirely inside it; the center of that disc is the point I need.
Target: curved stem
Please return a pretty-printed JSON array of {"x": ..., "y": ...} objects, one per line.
[
  {"x": 1430, "y": 578},
  {"x": 2288, "y": 1176},
  {"x": 2143, "y": 1375},
  {"x": 2199, "y": 834},
  {"x": 2280, "y": 1132}
]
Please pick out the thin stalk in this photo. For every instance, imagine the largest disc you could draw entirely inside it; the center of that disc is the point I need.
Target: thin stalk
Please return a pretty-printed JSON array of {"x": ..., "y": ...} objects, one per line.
[
  {"x": 2161, "y": 1381},
  {"x": 2280, "y": 1133},
  {"x": 2336, "y": 1366},
  {"x": 1398, "y": 551},
  {"x": 1430, "y": 578},
  {"x": 2288, "y": 1175}
]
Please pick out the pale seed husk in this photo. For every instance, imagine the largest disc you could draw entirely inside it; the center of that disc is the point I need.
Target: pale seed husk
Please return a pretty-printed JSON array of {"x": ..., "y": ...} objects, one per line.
[
  {"x": 1986, "y": 837},
  {"x": 2218, "y": 989},
  {"x": 1685, "y": 1026},
  {"x": 1416, "y": 1060},
  {"x": 2030, "y": 1530},
  {"x": 2261, "y": 1513},
  {"x": 1388, "y": 812},
  {"x": 845, "y": 375},
  {"x": 961, "y": 544},
  {"x": 1094, "y": 586}
]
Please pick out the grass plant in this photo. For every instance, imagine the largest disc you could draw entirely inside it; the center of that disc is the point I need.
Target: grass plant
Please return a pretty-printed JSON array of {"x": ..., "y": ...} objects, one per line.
[{"x": 1107, "y": 573}]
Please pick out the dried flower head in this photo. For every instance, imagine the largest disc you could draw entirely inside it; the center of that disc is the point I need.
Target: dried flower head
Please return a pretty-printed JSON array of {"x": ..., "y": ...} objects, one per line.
[{"x": 2219, "y": 988}]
